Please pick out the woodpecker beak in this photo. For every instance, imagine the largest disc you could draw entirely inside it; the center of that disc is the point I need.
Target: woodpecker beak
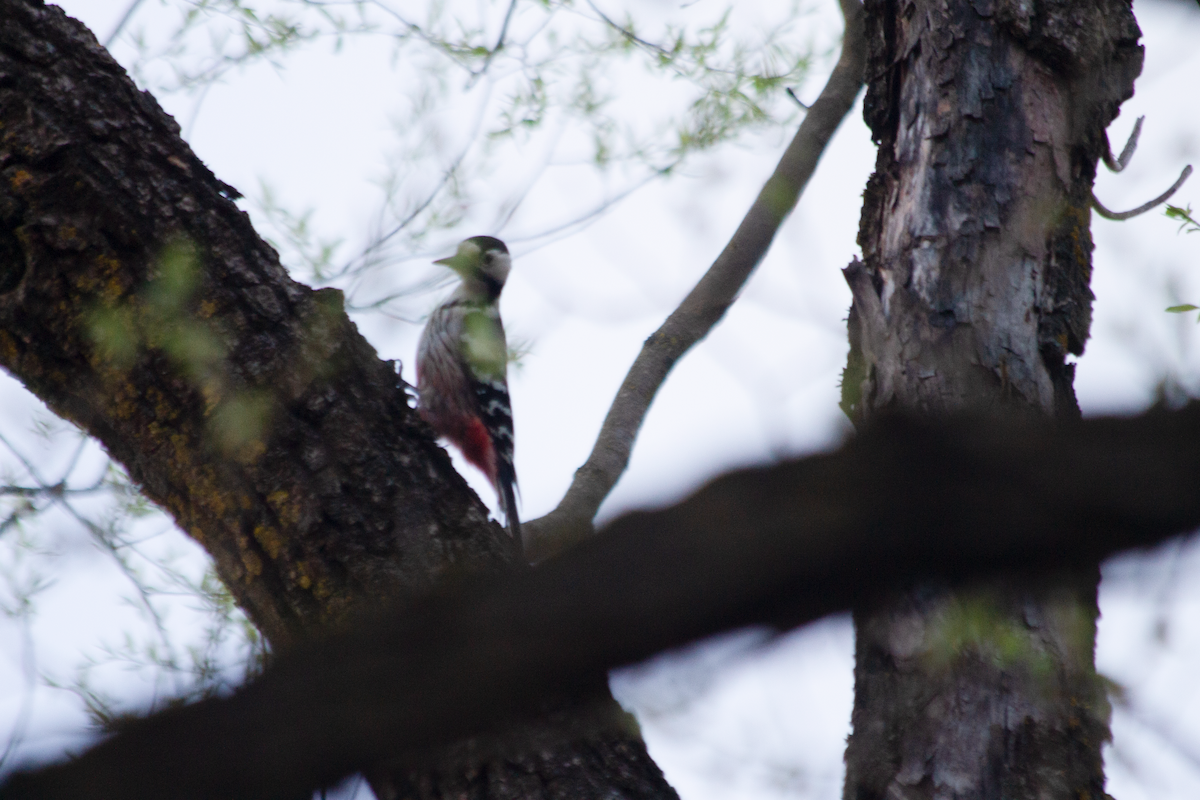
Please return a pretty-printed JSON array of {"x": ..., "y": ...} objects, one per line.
[
  {"x": 465, "y": 260},
  {"x": 457, "y": 262}
]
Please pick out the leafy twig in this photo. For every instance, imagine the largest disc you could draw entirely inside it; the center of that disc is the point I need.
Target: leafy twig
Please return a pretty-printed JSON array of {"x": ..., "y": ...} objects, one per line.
[{"x": 1188, "y": 223}]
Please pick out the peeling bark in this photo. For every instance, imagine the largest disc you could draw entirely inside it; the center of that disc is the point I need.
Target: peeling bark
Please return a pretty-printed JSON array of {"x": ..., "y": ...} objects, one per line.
[
  {"x": 990, "y": 118},
  {"x": 137, "y": 302}
]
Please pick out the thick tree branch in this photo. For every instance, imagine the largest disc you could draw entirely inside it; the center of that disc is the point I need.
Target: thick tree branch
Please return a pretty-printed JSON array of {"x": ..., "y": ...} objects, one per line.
[
  {"x": 781, "y": 545},
  {"x": 137, "y": 301},
  {"x": 705, "y": 305}
]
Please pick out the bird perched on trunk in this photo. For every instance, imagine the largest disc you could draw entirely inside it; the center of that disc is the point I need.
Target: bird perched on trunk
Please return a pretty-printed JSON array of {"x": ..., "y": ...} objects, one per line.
[{"x": 462, "y": 366}]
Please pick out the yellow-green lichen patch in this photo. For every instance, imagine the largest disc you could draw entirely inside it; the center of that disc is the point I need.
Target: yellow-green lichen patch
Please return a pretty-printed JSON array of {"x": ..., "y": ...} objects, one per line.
[
  {"x": 66, "y": 237},
  {"x": 207, "y": 492},
  {"x": 288, "y": 513},
  {"x": 19, "y": 180},
  {"x": 300, "y": 575},
  {"x": 124, "y": 399},
  {"x": 252, "y": 563},
  {"x": 270, "y": 539},
  {"x": 239, "y": 425},
  {"x": 8, "y": 349},
  {"x": 114, "y": 336}
]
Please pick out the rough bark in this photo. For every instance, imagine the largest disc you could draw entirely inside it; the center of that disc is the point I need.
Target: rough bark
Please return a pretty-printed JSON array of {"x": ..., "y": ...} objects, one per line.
[
  {"x": 990, "y": 118},
  {"x": 137, "y": 302},
  {"x": 777, "y": 546}
]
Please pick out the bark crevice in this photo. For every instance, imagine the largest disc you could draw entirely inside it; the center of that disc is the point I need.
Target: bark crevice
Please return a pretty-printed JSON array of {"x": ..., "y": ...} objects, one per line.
[
  {"x": 973, "y": 291},
  {"x": 139, "y": 304}
]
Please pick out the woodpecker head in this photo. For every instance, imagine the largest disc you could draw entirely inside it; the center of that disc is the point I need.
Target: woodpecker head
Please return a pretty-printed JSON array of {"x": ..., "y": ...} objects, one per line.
[{"x": 483, "y": 264}]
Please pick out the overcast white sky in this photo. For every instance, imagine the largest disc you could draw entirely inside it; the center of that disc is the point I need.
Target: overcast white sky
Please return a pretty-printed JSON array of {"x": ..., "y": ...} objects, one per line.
[{"x": 721, "y": 720}]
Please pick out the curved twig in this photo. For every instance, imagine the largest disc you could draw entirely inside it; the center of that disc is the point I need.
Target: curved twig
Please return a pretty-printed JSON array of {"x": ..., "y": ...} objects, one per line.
[
  {"x": 1142, "y": 209},
  {"x": 1121, "y": 162},
  {"x": 792, "y": 94},
  {"x": 705, "y": 305},
  {"x": 120, "y": 26}
]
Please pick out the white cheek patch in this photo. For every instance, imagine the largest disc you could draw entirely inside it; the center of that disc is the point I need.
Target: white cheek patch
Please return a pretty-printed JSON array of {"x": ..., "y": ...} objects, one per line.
[{"x": 501, "y": 266}]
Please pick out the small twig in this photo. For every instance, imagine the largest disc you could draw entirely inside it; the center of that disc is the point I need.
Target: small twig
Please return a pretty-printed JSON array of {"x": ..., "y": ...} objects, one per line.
[
  {"x": 656, "y": 49},
  {"x": 487, "y": 61},
  {"x": 705, "y": 305},
  {"x": 1161, "y": 731},
  {"x": 1118, "y": 164},
  {"x": 57, "y": 494},
  {"x": 29, "y": 669},
  {"x": 798, "y": 101},
  {"x": 1142, "y": 209},
  {"x": 55, "y": 490},
  {"x": 374, "y": 250},
  {"x": 571, "y": 226},
  {"x": 128, "y": 15}
]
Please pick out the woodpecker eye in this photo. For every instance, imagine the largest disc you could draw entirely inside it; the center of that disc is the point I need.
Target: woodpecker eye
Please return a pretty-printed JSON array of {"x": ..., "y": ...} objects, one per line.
[{"x": 489, "y": 257}]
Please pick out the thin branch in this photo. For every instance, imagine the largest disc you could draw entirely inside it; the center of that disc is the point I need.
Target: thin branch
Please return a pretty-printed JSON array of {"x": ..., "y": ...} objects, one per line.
[
  {"x": 57, "y": 494},
  {"x": 706, "y": 304},
  {"x": 1160, "y": 730},
  {"x": 1119, "y": 164},
  {"x": 373, "y": 250},
  {"x": 487, "y": 61},
  {"x": 56, "y": 490},
  {"x": 561, "y": 231},
  {"x": 655, "y": 49},
  {"x": 29, "y": 670},
  {"x": 128, "y": 15},
  {"x": 907, "y": 501},
  {"x": 792, "y": 94},
  {"x": 1142, "y": 209}
]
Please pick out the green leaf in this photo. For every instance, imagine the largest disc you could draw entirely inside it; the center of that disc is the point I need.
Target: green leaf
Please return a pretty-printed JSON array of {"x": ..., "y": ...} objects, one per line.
[{"x": 1183, "y": 309}]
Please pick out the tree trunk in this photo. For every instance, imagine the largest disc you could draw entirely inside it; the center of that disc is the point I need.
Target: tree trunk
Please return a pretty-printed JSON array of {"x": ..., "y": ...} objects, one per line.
[
  {"x": 990, "y": 118},
  {"x": 137, "y": 302}
]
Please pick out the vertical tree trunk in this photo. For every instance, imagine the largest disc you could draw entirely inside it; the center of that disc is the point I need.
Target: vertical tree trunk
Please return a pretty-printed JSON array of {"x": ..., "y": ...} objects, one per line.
[{"x": 990, "y": 118}]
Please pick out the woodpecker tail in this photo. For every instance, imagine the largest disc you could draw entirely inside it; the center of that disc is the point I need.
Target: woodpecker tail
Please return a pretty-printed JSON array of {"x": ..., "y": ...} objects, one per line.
[{"x": 508, "y": 503}]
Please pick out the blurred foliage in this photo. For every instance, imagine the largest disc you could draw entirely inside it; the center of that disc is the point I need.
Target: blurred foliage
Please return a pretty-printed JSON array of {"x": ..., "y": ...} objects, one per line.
[
  {"x": 476, "y": 88},
  {"x": 226, "y": 652},
  {"x": 479, "y": 87},
  {"x": 165, "y": 316},
  {"x": 1187, "y": 224},
  {"x": 974, "y": 625},
  {"x": 95, "y": 496}
]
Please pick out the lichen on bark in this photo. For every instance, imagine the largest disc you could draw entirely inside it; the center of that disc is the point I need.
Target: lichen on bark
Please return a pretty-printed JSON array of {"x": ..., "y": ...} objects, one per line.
[
  {"x": 972, "y": 293},
  {"x": 137, "y": 301}
]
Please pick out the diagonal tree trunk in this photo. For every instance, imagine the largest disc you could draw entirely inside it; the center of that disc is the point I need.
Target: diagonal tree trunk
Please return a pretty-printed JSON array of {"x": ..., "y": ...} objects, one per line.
[
  {"x": 990, "y": 118},
  {"x": 137, "y": 302}
]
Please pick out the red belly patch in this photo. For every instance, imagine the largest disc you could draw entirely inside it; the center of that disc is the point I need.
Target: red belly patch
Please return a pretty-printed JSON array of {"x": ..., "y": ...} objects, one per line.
[{"x": 476, "y": 447}]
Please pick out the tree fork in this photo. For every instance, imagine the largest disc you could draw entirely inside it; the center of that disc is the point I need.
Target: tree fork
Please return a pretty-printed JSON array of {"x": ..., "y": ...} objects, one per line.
[{"x": 990, "y": 118}]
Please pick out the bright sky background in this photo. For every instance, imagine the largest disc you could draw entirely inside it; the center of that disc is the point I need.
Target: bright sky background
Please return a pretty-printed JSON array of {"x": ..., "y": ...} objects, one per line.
[{"x": 732, "y": 718}]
